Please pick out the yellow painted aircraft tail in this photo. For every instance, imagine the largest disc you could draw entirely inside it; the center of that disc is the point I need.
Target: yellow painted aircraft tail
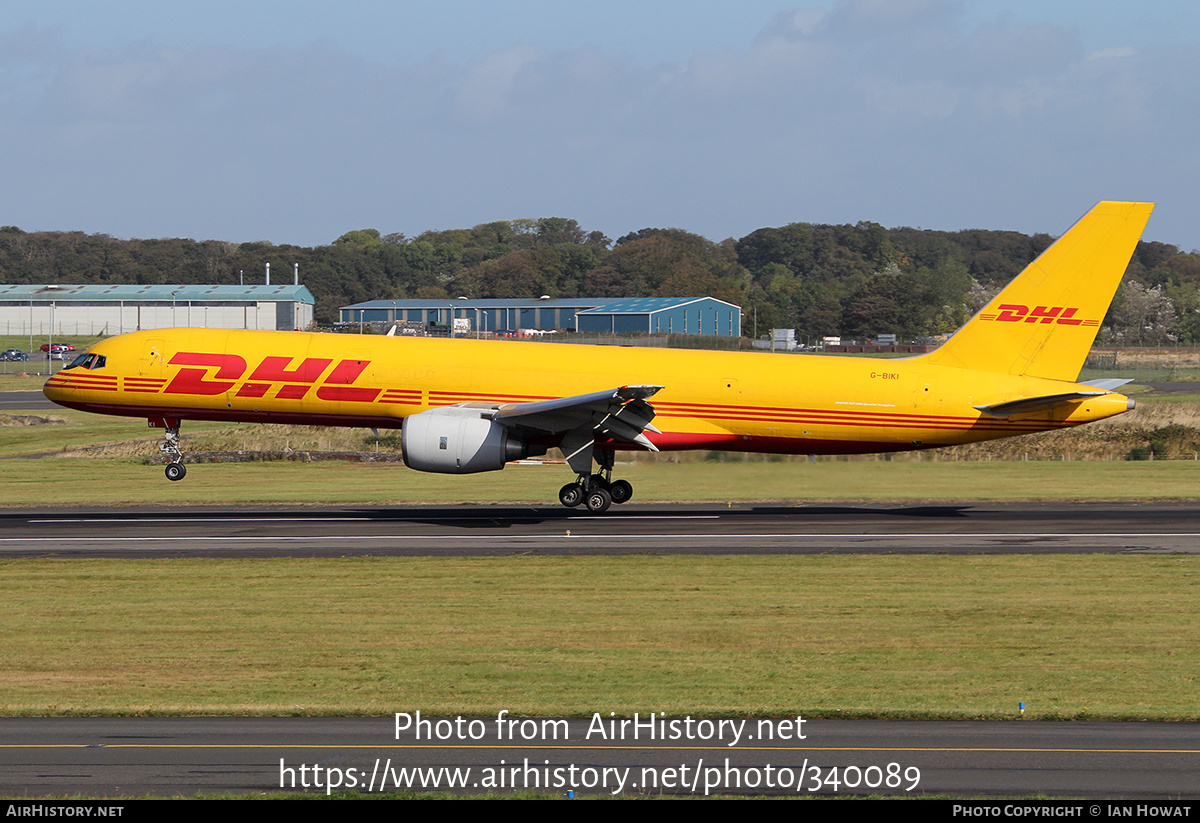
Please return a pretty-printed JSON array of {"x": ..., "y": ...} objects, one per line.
[{"x": 1045, "y": 321}]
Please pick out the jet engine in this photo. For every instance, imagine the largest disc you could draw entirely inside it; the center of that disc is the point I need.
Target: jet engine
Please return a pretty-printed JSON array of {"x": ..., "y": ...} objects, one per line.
[{"x": 458, "y": 440}]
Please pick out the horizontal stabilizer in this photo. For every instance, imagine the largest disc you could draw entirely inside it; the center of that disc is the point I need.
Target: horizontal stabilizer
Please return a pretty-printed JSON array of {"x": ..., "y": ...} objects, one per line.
[
  {"x": 1109, "y": 383},
  {"x": 1035, "y": 404}
]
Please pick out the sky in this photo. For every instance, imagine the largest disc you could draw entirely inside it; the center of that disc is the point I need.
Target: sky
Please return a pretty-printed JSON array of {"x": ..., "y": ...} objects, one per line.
[{"x": 295, "y": 122}]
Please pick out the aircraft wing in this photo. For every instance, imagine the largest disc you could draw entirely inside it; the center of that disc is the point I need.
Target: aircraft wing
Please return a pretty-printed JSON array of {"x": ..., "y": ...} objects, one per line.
[{"x": 621, "y": 413}]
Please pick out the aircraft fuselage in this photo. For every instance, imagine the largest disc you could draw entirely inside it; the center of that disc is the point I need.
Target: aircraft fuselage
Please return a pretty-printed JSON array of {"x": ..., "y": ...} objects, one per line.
[{"x": 740, "y": 401}]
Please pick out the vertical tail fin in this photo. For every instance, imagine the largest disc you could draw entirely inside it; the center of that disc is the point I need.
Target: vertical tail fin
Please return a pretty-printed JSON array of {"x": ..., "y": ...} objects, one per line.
[{"x": 1044, "y": 322}]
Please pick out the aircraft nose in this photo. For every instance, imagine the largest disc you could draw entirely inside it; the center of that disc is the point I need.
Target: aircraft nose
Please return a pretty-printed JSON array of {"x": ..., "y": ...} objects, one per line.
[{"x": 53, "y": 392}]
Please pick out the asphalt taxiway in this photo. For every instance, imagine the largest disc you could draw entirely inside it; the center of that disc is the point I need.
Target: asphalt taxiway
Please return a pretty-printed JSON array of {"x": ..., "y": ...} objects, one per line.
[
  {"x": 26, "y": 401},
  {"x": 182, "y": 756}
]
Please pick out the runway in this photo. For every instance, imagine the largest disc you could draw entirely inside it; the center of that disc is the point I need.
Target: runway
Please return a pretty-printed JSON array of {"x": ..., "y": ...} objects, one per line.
[
  {"x": 984, "y": 528},
  {"x": 117, "y": 757}
]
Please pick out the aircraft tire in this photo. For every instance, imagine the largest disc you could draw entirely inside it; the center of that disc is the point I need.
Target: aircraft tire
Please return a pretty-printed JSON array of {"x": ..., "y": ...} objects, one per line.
[
  {"x": 598, "y": 501},
  {"x": 598, "y": 482},
  {"x": 621, "y": 491},
  {"x": 176, "y": 471},
  {"x": 570, "y": 495}
]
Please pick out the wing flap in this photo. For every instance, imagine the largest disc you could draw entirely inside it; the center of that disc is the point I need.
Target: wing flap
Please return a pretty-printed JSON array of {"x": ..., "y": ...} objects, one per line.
[
  {"x": 580, "y": 404},
  {"x": 621, "y": 413}
]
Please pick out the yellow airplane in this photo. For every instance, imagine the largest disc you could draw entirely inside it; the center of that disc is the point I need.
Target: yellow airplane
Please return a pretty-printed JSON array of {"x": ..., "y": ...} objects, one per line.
[{"x": 470, "y": 405}]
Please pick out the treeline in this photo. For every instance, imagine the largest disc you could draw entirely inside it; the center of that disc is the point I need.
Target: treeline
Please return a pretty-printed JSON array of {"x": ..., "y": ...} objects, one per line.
[{"x": 852, "y": 281}]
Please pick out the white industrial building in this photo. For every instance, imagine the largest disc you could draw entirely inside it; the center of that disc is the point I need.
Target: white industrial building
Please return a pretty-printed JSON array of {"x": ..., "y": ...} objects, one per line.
[{"x": 107, "y": 310}]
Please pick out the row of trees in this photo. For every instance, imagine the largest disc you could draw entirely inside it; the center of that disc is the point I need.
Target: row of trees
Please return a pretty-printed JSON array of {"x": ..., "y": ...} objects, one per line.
[{"x": 853, "y": 281}]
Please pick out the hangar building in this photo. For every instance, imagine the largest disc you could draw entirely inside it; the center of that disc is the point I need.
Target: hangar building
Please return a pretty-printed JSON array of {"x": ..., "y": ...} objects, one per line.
[
  {"x": 107, "y": 310},
  {"x": 645, "y": 315},
  {"x": 663, "y": 315},
  {"x": 494, "y": 315}
]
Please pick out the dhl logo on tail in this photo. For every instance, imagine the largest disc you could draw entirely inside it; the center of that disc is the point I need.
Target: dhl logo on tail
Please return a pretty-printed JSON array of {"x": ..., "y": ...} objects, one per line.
[
  {"x": 468, "y": 406},
  {"x": 1063, "y": 316}
]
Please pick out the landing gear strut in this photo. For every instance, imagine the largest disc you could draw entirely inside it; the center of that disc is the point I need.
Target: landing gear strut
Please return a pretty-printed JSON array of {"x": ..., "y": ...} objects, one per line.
[
  {"x": 170, "y": 446},
  {"x": 620, "y": 416},
  {"x": 597, "y": 491}
]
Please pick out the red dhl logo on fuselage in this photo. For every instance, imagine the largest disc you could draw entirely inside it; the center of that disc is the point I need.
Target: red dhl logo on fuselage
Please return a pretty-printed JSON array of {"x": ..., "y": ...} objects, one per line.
[
  {"x": 212, "y": 374},
  {"x": 1016, "y": 313}
]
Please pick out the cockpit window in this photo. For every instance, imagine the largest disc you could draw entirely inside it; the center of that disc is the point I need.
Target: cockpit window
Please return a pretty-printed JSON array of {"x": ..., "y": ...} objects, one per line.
[{"x": 87, "y": 360}]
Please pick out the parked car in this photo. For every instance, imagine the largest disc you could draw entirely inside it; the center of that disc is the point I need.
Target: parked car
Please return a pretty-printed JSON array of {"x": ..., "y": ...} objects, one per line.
[
  {"x": 14, "y": 355},
  {"x": 58, "y": 347}
]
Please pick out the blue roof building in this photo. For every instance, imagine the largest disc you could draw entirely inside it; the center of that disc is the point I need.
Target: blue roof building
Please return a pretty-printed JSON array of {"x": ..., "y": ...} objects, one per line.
[
  {"x": 493, "y": 315},
  {"x": 663, "y": 315},
  {"x": 646, "y": 315}
]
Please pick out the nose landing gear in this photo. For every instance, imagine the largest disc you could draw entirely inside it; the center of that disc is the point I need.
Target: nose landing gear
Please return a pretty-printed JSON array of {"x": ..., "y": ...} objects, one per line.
[{"x": 170, "y": 446}]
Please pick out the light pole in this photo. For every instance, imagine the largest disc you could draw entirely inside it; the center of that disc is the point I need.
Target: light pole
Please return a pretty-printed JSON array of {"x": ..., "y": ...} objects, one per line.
[{"x": 50, "y": 342}]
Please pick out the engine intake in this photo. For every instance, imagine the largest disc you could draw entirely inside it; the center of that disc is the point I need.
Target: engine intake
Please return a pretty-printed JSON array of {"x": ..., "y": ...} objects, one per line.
[{"x": 458, "y": 440}]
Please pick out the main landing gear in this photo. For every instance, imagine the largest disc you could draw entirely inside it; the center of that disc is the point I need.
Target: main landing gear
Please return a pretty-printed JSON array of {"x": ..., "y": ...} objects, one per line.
[
  {"x": 597, "y": 491},
  {"x": 170, "y": 447}
]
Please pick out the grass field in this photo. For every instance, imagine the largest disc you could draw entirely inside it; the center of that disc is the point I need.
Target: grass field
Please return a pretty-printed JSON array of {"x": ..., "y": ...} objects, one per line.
[
  {"x": 78, "y": 482},
  {"x": 924, "y": 636},
  {"x": 25, "y": 376},
  {"x": 17, "y": 341}
]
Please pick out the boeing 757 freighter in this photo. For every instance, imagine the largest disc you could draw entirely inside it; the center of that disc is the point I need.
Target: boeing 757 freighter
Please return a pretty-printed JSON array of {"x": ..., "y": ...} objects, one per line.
[{"x": 473, "y": 405}]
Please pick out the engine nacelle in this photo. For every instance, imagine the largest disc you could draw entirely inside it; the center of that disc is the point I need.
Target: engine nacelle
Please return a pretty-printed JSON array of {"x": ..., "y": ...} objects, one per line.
[{"x": 457, "y": 440}]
